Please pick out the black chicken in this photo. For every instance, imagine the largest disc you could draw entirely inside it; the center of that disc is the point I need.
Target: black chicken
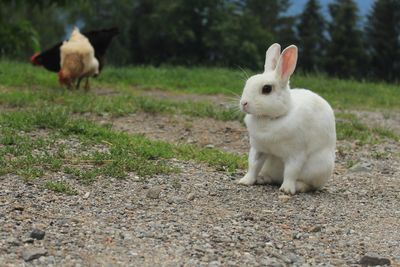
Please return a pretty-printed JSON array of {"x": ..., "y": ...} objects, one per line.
[{"x": 100, "y": 40}]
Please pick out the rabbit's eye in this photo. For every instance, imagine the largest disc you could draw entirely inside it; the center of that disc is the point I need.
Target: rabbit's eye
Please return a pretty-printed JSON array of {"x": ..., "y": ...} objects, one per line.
[{"x": 266, "y": 89}]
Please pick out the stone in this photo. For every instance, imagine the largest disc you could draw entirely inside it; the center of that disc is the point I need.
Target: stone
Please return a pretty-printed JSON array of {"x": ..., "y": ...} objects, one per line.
[
  {"x": 296, "y": 235},
  {"x": 28, "y": 240},
  {"x": 292, "y": 257},
  {"x": 272, "y": 262},
  {"x": 179, "y": 200},
  {"x": 214, "y": 263},
  {"x": 13, "y": 242},
  {"x": 315, "y": 229},
  {"x": 361, "y": 167},
  {"x": 37, "y": 234},
  {"x": 33, "y": 253},
  {"x": 372, "y": 259},
  {"x": 18, "y": 208},
  {"x": 154, "y": 193},
  {"x": 284, "y": 198},
  {"x": 191, "y": 196}
]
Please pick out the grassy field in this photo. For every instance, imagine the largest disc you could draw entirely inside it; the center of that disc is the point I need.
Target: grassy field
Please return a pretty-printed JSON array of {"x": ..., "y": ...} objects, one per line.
[
  {"x": 340, "y": 93},
  {"x": 42, "y": 129}
]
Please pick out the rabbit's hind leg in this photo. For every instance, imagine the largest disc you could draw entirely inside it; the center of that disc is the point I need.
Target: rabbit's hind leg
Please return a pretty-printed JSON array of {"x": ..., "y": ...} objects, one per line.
[
  {"x": 302, "y": 187},
  {"x": 316, "y": 171},
  {"x": 271, "y": 172}
]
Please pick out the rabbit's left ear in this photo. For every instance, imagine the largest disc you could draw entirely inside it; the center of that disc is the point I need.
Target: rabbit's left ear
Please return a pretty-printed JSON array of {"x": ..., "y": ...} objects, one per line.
[
  {"x": 287, "y": 63},
  {"x": 272, "y": 57}
]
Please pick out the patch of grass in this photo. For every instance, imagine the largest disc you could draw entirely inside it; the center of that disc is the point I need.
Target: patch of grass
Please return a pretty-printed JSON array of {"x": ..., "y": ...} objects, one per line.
[
  {"x": 350, "y": 94},
  {"x": 340, "y": 93},
  {"x": 31, "y": 156},
  {"x": 220, "y": 160},
  {"x": 60, "y": 187},
  {"x": 348, "y": 127},
  {"x": 386, "y": 133},
  {"x": 380, "y": 154},
  {"x": 350, "y": 163},
  {"x": 25, "y": 155},
  {"x": 118, "y": 105},
  {"x": 86, "y": 176}
]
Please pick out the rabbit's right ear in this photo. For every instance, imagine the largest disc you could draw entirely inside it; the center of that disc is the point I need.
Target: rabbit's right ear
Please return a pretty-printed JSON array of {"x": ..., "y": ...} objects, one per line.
[
  {"x": 287, "y": 63},
  {"x": 272, "y": 57}
]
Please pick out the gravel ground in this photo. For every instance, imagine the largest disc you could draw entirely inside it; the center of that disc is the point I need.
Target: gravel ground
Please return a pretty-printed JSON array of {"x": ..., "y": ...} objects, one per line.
[{"x": 201, "y": 217}]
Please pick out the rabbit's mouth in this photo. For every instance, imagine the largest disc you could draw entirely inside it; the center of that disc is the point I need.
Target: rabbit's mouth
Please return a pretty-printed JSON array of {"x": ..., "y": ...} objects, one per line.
[
  {"x": 245, "y": 109},
  {"x": 244, "y": 106}
]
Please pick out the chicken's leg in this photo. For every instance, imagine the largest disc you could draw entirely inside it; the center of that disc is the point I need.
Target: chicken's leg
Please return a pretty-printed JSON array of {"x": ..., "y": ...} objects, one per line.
[
  {"x": 87, "y": 85},
  {"x": 78, "y": 83}
]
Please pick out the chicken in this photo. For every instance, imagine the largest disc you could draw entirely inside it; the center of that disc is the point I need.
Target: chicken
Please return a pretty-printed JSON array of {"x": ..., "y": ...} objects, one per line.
[
  {"x": 99, "y": 39},
  {"x": 77, "y": 60}
]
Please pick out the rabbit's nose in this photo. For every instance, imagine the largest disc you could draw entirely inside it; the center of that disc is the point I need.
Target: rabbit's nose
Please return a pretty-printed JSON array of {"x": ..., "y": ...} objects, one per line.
[{"x": 244, "y": 103}]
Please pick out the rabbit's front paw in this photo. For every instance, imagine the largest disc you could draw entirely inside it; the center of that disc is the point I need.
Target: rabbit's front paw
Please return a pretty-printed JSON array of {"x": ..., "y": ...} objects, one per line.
[
  {"x": 247, "y": 180},
  {"x": 288, "y": 187}
]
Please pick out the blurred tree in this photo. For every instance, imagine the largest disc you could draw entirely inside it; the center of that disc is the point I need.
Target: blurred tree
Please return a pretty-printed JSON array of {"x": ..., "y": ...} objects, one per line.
[
  {"x": 97, "y": 14},
  {"x": 346, "y": 55},
  {"x": 231, "y": 43},
  {"x": 312, "y": 41},
  {"x": 216, "y": 32},
  {"x": 383, "y": 39},
  {"x": 272, "y": 19},
  {"x": 19, "y": 21},
  {"x": 172, "y": 30},
  {"x": 16, "y": 34}
]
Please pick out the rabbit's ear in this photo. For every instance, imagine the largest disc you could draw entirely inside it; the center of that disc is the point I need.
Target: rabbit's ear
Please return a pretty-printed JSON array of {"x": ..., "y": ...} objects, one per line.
[
  {"x": 271, "y": 57},
  {"x": 287, "y": 63}
]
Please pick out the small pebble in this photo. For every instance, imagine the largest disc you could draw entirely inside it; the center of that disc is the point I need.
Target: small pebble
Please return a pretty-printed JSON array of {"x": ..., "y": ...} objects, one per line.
[
  {"x": 315, "y": 229},
  {"x": 33, "y": 253},
  {"x": 191, "y": 196},
  {"x": 372, "y": 259},
  {"x": 37, "y": 234},
  {"x": 154, "y": 193},
  {"x": 284, "y": 198}
]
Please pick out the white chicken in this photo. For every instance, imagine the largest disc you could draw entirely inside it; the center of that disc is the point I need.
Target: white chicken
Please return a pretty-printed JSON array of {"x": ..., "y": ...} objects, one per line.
[{"x": 77, "y": 60}]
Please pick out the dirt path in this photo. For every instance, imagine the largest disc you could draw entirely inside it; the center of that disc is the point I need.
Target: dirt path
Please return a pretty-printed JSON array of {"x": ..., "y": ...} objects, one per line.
[
  {"x": 201, "y": 217},
  {"x": 388, "y": 119}
]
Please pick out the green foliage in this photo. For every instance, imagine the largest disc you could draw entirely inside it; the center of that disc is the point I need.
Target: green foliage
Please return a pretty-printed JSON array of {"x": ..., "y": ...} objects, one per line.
[
  {"x": 17, "y": 37},
  {"x": 346, "y": 55},
  {"x": 214, "y": 33},
  {"x": 206, "y": 32},
  {"x": 312, "y": 41},
  {"x": 272, "y": 18},
  {"x": 383, "y": 31}
]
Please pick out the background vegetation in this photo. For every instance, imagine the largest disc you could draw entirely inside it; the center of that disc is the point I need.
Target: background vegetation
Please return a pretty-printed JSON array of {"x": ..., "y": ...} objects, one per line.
[{"x": 228, "y": 33}]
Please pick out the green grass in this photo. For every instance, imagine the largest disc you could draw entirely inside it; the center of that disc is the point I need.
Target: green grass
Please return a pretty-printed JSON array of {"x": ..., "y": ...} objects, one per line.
[
  {"x": 175, "y": 78},
  {"x": 349, "y": 127},
  {"x": 41, "y": 130},
  {"x": 340, "y": 93},
  {"x": 60, "y": 187},
  {"x": 33, "y": 156},
  {"x": 117, "y": 105}
]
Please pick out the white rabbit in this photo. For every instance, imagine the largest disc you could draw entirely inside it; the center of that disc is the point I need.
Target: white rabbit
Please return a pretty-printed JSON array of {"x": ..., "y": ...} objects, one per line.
[{"x": 292, "y": 131}]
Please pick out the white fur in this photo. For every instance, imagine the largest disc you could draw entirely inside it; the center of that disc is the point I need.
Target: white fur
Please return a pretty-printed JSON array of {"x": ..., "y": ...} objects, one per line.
[{"x": 292, "y": 131}]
